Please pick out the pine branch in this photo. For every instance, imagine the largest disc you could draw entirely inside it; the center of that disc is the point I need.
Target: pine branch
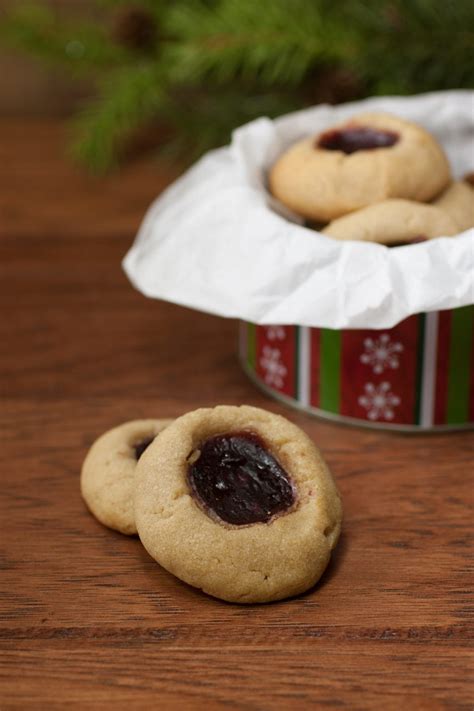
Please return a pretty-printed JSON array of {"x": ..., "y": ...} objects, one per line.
[
  {"x": 204, "y": 120},
  {"x": 244, "y": 38},
  {"x": 155, "y": 7},
  {"x": 127, "y": 100},
  {"x": 409, "y": 46},
  {"x": 78, "y": 47},
  {"x": 206, "y": 66}
]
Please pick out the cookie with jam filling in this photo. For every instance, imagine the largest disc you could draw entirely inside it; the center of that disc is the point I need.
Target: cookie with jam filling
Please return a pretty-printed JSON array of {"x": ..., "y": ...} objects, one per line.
[
  {"x": 238, "y": 502},
  {"x": 108, "y": 472},
  {"x": 361, "y": 161}
]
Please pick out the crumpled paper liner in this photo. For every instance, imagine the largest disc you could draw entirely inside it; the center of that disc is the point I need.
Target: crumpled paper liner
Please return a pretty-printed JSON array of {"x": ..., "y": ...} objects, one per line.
[{"x": 217, "y": 241}]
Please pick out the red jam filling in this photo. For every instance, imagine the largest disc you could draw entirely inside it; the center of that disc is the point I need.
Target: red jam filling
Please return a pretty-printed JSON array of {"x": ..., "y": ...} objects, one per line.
[
  {"x": 356, "y": 138},
  {"x": 236, "y": 478},
  {"x": 140, "y": 447}
]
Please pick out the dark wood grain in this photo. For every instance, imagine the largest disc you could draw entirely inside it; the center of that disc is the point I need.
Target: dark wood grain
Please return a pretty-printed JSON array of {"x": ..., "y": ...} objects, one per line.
[{"x": 87, "y": 618}]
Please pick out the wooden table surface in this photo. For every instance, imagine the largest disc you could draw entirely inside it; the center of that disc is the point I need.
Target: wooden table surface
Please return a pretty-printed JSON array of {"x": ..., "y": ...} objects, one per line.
[{"x": 87, "y": 618}]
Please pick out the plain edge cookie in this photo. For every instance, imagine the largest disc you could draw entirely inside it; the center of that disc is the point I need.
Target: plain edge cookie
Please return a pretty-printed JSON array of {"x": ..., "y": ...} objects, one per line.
[
  {"x": 322, "y": 185},
  {"x": 215, "y": 557},
  {"x": 392, "y": 222},
  {"x": 108, "y": 473},
  {"x": 458, "y": 202}
]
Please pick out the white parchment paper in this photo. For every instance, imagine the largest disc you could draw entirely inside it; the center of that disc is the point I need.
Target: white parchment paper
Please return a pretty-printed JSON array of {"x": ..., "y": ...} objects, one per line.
[{"x": 218, "y": 242}]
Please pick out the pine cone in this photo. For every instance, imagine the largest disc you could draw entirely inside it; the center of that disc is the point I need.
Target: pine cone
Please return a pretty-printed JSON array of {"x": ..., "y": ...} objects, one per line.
[
  {"x": 331, "y": 85},
  {"x": 135, "y": 28}
]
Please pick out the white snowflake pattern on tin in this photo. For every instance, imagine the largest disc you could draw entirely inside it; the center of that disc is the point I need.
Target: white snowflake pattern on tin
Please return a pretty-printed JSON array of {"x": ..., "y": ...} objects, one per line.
[
  {"x": 379, "y": 401},
  {"x": 276, "y": 333},
  {"x": 275, "y": 370},
  {"x": 381, "y": 353}
]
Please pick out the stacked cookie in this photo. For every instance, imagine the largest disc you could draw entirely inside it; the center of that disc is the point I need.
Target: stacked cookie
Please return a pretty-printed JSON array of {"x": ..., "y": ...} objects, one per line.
[
  {"x": 236, "y": 501},
  {"x": 375, "y": 178}
]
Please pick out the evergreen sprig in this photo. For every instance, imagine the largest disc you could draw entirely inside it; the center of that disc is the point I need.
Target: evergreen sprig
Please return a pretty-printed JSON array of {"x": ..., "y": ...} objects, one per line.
[
  {"x": 215, "y": 64},
  {"x": 407, "y": 46},
  {"x": 245, "y": 40},
  {"x": 127, "y": 100},
  {"x": 79, "y": 47}
]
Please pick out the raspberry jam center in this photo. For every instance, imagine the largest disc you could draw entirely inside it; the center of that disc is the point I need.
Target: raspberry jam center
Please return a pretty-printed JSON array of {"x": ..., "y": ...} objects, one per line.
[
  {"x": 239, "y": 480},
  {"x": 356, "y": 138},
  {"x": 140, "y": 447}
]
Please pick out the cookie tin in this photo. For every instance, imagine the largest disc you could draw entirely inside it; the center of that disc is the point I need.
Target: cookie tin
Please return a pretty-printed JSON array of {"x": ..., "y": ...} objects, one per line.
[{"x": 416, "y": 376}]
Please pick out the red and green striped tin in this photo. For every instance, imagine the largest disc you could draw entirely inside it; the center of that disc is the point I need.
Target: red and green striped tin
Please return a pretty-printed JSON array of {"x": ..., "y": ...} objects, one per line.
[{"x": 417, "y": 375}]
